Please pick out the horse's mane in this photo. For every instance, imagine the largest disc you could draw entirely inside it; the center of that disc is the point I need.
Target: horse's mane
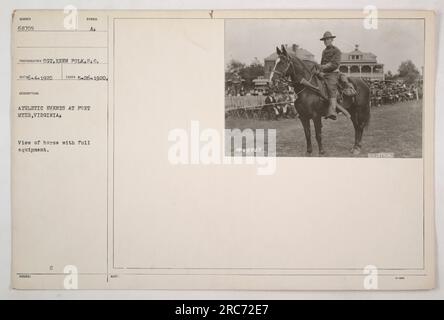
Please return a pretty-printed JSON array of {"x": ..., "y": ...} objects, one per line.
[{"x": 308, "y": 65}]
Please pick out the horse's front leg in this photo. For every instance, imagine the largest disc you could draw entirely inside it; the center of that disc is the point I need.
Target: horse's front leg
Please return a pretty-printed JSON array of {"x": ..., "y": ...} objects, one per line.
[
  {"x": 307, "y": 131},
  {"x": 318, "y": 130}
]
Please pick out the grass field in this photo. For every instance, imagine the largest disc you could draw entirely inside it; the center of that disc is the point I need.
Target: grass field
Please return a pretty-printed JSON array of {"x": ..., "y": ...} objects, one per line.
[{"x": 395, "y": 129}]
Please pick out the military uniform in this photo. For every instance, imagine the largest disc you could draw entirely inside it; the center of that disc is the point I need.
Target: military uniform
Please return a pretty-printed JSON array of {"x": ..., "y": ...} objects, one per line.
[{"x": 331, "y": 57}]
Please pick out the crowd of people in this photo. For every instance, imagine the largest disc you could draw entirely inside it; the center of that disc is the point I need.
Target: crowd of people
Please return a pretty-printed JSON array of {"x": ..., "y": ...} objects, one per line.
[
  {"x": 389, "y": 92},
  {"x": 280, "y": 105}
]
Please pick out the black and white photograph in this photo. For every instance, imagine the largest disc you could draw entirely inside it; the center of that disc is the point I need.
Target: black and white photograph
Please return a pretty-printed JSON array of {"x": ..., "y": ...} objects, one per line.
[
  {"x": 262, "y": 153},
  {"x": 329, "y": 87}
]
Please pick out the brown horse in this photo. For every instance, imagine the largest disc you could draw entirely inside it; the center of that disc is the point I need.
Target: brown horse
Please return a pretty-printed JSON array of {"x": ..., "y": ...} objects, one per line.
[{"x": 311, "y": 104}]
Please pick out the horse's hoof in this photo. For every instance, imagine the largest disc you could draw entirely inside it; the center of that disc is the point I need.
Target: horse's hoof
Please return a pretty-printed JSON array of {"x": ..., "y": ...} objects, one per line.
[
  {"x": 321, "y": 152},
  {"x": 308, "y": 154},
  {"x": 356, "y": 151}
]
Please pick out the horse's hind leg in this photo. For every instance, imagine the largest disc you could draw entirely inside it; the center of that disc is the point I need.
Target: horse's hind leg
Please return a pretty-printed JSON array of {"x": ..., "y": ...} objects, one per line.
[
  {"x": 358, "y": 134},
  {"x": 318, "y": 130},
  {"x": 306, "y": 125}
]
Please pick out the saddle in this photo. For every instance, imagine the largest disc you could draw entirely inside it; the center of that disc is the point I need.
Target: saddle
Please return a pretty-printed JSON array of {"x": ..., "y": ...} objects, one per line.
[{"x": 345, "y": 87}]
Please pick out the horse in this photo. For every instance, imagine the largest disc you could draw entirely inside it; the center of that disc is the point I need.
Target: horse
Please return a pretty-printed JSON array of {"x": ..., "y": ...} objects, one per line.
[{"x": 311, "y": 104}]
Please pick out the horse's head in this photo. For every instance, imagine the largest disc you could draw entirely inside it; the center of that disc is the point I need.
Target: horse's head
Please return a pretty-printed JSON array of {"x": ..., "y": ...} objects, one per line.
[{"x": 281, "y": 67}]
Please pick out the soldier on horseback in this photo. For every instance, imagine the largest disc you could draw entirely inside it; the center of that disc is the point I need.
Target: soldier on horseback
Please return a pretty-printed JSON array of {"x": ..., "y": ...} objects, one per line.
[
  {"x": 331, "y": 57},
  {"x": 310, "y": 105},
  {"x": 329, "y": 70}
]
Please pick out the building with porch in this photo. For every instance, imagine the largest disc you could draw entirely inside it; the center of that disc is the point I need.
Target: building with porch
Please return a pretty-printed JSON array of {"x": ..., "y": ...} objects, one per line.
[{"x": 361, "y": 64}]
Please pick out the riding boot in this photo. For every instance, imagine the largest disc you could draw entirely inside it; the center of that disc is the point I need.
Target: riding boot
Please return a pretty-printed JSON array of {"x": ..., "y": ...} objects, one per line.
[{"x": 331, "y": 113}]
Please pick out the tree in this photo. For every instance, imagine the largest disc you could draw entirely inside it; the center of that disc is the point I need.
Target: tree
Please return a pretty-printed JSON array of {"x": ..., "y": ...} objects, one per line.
[
  {"x": 235, "y": 65},
  {"x": 408, "y": 71},
  {"x": 389, "y": 76},
  {"x": 247, "y": 72},
  {"x": 255, "y": 61},
  {"x": 251, "y": 72}
]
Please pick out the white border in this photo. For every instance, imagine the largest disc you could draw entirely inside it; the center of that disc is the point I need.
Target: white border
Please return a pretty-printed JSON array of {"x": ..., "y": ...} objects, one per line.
[{"x": 6, "y": 9}]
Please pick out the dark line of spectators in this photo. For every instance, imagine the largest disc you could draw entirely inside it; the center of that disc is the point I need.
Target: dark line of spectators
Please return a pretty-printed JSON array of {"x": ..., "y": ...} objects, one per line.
[{"x": 388, "y": 92}]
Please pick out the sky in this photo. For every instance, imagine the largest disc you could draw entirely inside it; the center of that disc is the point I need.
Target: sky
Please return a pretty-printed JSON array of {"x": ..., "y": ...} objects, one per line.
[{"x": 394, "y": 41}]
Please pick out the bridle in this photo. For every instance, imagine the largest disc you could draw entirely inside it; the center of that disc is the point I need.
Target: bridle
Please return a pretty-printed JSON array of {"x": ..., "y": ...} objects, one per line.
[{"x": 283, "y": 74}]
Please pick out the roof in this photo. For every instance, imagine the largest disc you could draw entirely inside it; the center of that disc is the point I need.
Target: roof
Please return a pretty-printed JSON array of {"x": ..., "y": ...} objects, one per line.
[
  {"x": 366, "y": 56},
  {"x": 301, "y": 53}
]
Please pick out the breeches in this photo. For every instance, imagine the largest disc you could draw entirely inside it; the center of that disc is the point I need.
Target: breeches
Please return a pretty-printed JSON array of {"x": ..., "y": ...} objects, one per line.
[{"x": 331, "y": 80}]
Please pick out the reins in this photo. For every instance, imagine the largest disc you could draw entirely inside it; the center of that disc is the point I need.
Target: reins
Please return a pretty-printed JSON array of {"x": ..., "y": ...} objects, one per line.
[{"x": 294, "y": 73}]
